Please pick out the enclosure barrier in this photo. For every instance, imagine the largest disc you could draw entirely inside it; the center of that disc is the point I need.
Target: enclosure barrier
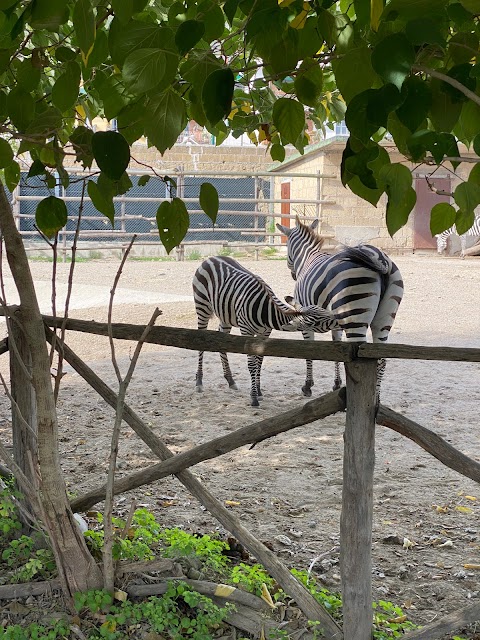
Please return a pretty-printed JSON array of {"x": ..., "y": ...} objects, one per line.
[
  {"x": 357, "y": 500},
  {"x": 248, "y": 210}
]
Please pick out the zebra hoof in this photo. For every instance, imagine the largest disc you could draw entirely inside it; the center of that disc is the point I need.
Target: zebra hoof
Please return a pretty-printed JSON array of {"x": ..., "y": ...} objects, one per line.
[
  {"x": 199, "y": 388},
  {"x": 307, "y": 392},
  {"x": 233, "y": 386},
  {"x": 254, "y": 402},
  {"x": 337, "y": 386}
]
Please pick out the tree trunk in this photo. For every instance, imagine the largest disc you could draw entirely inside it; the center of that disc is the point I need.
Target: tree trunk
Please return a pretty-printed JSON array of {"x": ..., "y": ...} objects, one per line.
[{"x": 76, "y": 568}]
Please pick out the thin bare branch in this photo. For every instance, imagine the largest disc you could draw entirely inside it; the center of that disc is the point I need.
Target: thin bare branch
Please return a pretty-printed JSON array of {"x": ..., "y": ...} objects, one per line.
[{"x": 451, "y": 81}]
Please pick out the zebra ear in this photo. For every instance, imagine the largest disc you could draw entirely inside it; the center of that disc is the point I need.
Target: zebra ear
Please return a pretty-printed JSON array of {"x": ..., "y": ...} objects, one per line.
[
  {"x": 314, "y": 224},
  {"x": 286, "y": 230},
  {"x": 297, "y": 221}
]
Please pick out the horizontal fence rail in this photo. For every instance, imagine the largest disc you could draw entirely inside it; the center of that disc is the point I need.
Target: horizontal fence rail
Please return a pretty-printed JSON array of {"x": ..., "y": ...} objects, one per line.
[
  {"x": 207, "y": 340},
  {"x": 250, "y": 204}
]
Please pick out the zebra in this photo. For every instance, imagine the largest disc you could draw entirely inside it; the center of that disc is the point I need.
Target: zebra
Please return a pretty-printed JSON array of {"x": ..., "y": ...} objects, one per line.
[
  {"x": 360, "y": 285},
  {"x": 443, "y": 237},
  {"x": 239, "y": 298}
]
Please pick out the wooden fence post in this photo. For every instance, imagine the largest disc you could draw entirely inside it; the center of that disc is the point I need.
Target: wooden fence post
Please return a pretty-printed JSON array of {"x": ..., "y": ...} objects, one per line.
[{"x": 357, "y": 500}]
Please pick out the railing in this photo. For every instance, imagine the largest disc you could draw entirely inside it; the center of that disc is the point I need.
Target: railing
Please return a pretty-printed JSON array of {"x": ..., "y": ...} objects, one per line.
[
  {"x": 249, "y": 207},
  {"x": 361, "y": 415}
]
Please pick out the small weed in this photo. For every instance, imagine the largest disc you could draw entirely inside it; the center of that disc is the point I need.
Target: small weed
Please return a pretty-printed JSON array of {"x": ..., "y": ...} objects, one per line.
[
  {"x": 152, "y": 258},
  {"x": 269, "y": 252},
  {"x": 194, "y": 255},
  {"x": 226, "y": 251},
  {"x": 252, "y": 577},
  {"x": 9, "y": 522},
  {"x": 180, "y": 543}
]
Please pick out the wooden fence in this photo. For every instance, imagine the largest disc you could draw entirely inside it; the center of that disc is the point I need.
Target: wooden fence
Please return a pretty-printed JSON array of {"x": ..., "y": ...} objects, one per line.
[{"x": 358, "y": 400}]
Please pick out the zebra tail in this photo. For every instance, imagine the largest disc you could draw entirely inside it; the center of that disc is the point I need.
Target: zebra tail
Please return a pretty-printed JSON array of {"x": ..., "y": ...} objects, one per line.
[{"x": 370, "y": 257}]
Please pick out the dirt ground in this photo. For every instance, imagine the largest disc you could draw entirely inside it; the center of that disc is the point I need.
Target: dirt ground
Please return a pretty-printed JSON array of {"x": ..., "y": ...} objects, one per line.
[{"x": 291, "y": 485}]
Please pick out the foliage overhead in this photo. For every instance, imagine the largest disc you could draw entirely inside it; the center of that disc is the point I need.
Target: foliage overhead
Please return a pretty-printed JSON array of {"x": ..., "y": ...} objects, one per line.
[{"x": 407, "y": 68}]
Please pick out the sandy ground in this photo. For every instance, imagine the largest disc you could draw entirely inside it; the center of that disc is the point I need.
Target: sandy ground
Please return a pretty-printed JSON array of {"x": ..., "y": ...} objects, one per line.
[{"x": 291, "y": 485}]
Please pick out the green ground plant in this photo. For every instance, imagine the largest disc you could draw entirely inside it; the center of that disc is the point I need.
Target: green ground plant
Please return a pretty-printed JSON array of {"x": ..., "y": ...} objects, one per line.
[{"x": 180, "y": 613}]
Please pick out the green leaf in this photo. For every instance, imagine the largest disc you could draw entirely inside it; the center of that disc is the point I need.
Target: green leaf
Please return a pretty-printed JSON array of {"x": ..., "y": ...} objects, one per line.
[
  {"x": 188, "y": 34},
  {"x": 123, "y": 9},
  {"x": 130, "y": 121},
  {"x": 124, "y": 39},
  {"x": 362, "y": 175},
  {"x": 81, "y": 140},
  {"x": 6, "y": 153},
  {"x": 424, "y": 31},
  {"x": 197, "y": 69},
  {"x": 165, "y": 119},
  {"x": 65, "y": 89},
  {"x": 401, "y": 195},
  {"x": 392, "y": 58},
  {"x": 51, "y": 215},
  {"x": 442, "y": 217},
  {"x": 289, "y": 118},
  {"x": 20, "y": 107},
  {"x": 467, "y": 196},
  {"x": 45, "y": 124},
  {"x": 416, "y": 105},
  {"x": 230, "y": 8},
  {"x": 476, "y": 144},
  {"x": 49, "y": 14},
  {"x": 102, "y": 200},
  {"x": 37, "y": 169},
  {"x": 473, "y": 6},
  {"x": 142, "y": 181},
  {"x": 410, "y": 9},
  {"x": 460, "y": 73},
  {"x": 444, "y": 112},
  {"x": 12, "y": 175},
  {"x": 277, "y": 152},
  {"x": 464, "y": 221},
  {"x": 369, "y": 110},
  {"x": 84, "y": 24},
  {"x": 217, "y": 94},
  {"x": 64, "y": 54},
  {"x": 461, "y": 46},
  {"x": 474, "y": 175},
  {"x": 468, "y": 126},
  {"x": 143, "y": 69},
  {"x": 354, "y": 72},
  {"x": 172, "y": 222},
  {"x": 111, "y": 152},
  {"x": 309, "y": 82},
  {"x": 209, "y": 200},
  {"x": 110, "y": 89},
  {"x": 28, "y": 76},
  {"x": 213, "y": 18}
]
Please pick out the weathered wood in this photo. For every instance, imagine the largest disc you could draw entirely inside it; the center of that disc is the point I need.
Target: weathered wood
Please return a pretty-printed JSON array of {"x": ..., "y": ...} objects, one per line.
[
  {"x": 24, "y": 416},
  {"x": 12, "y": 591},
  {"x": 3, "y": 346},
  {"x": 414, "y": 352},
  {"x": 311, "y": 411},
  {"x": 306, "y": 603},
  {"x": 205, "y": 340},
  {"x": 195, "y": 340},
  {"x": 357, "y": 500},
  {"x": 473, "y": 250},
  {"x": 447, "y": 625},
  {"x": 431, "y": 442}
]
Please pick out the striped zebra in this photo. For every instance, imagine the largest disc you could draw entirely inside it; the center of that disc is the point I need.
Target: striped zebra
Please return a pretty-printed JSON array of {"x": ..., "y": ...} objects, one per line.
[
  {"x": 239, "y": 298},
  {"x": 442, "y": 238},
  {"x": 360, "y": 285}
]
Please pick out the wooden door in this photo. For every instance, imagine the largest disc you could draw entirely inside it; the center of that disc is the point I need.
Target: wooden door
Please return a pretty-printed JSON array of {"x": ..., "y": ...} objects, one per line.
[
  {"x": 285, "y": 207},
  {"x": 426, "y": 199}
]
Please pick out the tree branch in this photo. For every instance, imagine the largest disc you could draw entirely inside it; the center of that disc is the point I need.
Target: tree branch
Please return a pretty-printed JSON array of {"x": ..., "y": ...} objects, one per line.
[{"x": 451, "y": 81}]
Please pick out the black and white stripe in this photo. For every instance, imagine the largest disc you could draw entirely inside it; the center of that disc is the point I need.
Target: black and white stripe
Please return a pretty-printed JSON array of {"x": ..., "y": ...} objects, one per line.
[
  {"x": 360, "y": 285},
  {"x": 239, "y": 298},
  {"x": 442, "y": 238}
]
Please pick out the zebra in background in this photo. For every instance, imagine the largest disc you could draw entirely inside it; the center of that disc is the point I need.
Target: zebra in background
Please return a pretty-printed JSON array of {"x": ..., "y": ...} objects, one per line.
[
  {"x": 360, "y": 285},
  {"x": 239, "y": 298},
  {"x": 442, "y": 238}
]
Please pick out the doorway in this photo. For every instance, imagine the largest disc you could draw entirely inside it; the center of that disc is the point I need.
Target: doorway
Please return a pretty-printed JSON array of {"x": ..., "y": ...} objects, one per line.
[{"x": 426, "y": 199}]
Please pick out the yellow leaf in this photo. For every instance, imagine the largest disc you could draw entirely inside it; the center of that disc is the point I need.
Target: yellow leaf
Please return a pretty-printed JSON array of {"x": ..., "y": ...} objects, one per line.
[
  {"x": 285, "y": 3},
  {"x": 464, "y": 509},
  {"x": 471, "y": 566},
  {"x": 376, "y": 9},
  {"x": 299, "y": 21},
  {"x": 246, "y": 107},
  {"x": 224, "y": 590},
  {"x": 267, "y": 597},
  {"x": 440, "y": 509},
  {"x": 253, "y": 137},
  {"x": 232, "y": 503},
  {"x": 398, "y": 619},
  {"x": 109, "y": 625},
  {"x": 473, "y": 498},
  {"x": 232, "y": 113},
  {"x": 261, "y": 135},
  {"x": 120, "y": 595},
  {"x": 81, "y": 112}
]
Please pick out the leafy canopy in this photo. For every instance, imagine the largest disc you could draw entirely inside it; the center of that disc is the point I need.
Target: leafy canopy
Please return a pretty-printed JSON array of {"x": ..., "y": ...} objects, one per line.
[{"x": 262, "y": 67}]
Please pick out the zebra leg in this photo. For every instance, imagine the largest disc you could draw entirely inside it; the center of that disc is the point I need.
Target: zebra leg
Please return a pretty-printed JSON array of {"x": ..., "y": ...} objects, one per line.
[
  {"x": 463, "y": 244},
  {"x": 266, "y": 334},
  {"x": 253, "y": 368},
  {"x": 337, "y": 380},
  {"x": 227, "y": 373},
  {"x": 202, "y": 321},
  {"x": 307, "y": 387}
]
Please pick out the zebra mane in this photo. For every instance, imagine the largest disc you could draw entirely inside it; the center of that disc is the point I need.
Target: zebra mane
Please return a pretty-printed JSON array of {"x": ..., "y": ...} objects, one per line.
[
  {"x": 288, "y": 309},
  {"x": 315, "y": 239}
]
